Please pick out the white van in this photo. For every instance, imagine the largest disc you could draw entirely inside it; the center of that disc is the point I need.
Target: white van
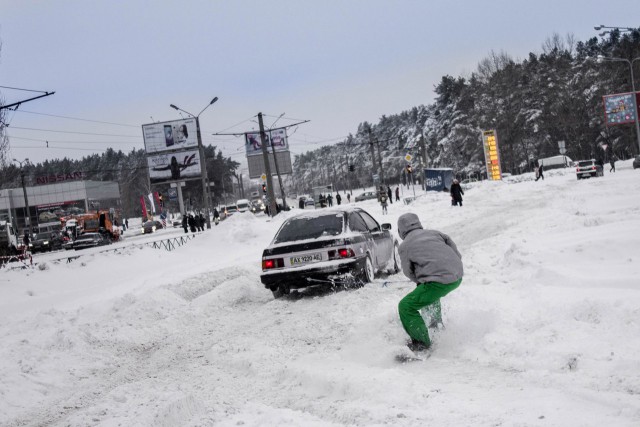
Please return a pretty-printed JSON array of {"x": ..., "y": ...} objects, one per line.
[
  {"x": 556, "y": 162},
  {"x": 243, "y": 205}
]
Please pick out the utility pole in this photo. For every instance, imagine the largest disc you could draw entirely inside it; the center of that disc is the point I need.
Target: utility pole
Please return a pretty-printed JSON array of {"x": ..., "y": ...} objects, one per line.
[
  {"x": 275, "y": 163},
  {"x": 423, "y": 152},
  {"x": 380, "y": 163},
  {"x": 267, "y": 169},
  {"x": 373, "y": 157},
  {"x": 27, "y": 216}
]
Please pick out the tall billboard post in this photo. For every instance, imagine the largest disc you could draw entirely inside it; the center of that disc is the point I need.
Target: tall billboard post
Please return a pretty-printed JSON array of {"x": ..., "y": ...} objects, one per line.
[
  {"x": 203, "y": 164},
  {"x": 622, "y": 108},
  {"x": 492, "y": 155},
  {"x": 632, "y": 99},
  {"x": 267, "y": 168}
]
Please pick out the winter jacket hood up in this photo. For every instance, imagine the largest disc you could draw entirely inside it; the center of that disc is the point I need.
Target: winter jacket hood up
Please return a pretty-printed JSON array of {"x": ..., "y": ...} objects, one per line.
[{"x": 427, "y": 255}]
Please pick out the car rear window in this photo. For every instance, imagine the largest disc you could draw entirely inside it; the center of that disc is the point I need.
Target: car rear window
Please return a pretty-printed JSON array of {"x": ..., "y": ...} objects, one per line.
[
  {"x": 310, "y": 228},
  {"x": 585, "y": 163}
]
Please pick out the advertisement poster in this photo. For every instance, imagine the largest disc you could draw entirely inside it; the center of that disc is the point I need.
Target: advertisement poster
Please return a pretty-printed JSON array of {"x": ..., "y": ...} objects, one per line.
[
  {"x": 275, "y": 137},
  {"x": 492, "y": 155},
  {"x": 619, "y": 108},
  {"x": 174, "y": 166},
  {"x": 167, "y": 136}
]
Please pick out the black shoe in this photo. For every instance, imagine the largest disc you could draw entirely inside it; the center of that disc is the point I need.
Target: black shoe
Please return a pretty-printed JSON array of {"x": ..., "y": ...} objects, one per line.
[{"x": 415, "y": 345}]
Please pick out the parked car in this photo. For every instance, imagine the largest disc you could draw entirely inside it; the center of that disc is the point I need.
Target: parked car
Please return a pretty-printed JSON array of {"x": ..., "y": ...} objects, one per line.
[
  {"x": 588, "y": 168},
  {"x": 636, "y": 162},
  {"x": 90, "y": 240},
  {"x": 367, "y": 196},
  {"x": 177, "y": 221},
  {"x": 309, "y": 202},
  {"x": 343, "y": 245},
  {"x": 45, "y": 242},
  {"x": 151, "y": 226},
  {"x": 243, "y": 205}
]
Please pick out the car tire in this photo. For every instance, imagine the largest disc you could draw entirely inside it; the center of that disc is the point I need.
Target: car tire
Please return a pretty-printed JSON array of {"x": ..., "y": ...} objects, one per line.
[
  {"x": 368, "y": 272},
  {"x": 397, "y": 263},
  {"x": 280, "y": 291}
]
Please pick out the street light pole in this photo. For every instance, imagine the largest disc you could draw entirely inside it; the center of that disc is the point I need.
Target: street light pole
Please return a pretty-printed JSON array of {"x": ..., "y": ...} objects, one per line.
[
  {"x": 27, "y": 216},
  {"x": 633, "y": 89},
  {"x": 203, "y": 166}
]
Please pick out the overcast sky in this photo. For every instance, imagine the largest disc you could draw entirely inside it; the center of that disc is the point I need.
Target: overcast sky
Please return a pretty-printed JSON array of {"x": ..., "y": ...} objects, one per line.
[{"x": 335, "y": 63}]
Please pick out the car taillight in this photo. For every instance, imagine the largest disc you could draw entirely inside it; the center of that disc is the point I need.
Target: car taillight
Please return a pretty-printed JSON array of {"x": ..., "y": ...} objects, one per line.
[
  {"x": 342, "y": 253},
  {"x": 593, "y": 167},
  {"x": 272, "y": 263}
]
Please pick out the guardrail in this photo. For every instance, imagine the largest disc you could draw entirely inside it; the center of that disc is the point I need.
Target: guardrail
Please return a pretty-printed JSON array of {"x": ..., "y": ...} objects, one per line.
[
  {"x": 171, "y": 243},
  {"x": 25, "y": 260}
]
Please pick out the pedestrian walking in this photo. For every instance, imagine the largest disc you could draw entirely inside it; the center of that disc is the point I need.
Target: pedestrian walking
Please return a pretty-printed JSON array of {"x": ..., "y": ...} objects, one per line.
[
  {"x": 349, "y": 197},
  {"x": 185, "y": 224},
  {"x": 397, "y": 193},
  {"x": 338, "y": 199},
  {"x": 612, "y": 162},
  {"x": 389, "y": 194},
  {"x": 539, "y": 172},
  {"x": 216, "y": 216},
  {"x": 383, "y": 201},
  {"x": 431, "y": 260},
  {"x": 301, "y": 203},
  {"x": 330, "y": 200},
  {"x": 456, "y": 193}
]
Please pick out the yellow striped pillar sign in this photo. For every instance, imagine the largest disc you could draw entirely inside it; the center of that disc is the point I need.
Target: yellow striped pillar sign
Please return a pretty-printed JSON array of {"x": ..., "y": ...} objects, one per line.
[{"x": 492, "y": 154}]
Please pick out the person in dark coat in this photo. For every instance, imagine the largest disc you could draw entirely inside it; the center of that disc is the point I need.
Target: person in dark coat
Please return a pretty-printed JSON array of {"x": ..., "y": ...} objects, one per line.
[
  {"x": 301, "y": 203},
  {"x": 612, "y": 162},
  {"x": 540, "y": 174},
  {"x": 338, "y": 199},
  {"x": 456, "y": 193},
  {"x": 192, "y": 223},
  {"x": 216, "y": 216},
  {"x": 389, "y": 194},
  {"x": 398, "y": 193},
  {"x": 185, "y": 224},
  {"x": 322, "y": 201},
  {"x": 330, "y": 200}
]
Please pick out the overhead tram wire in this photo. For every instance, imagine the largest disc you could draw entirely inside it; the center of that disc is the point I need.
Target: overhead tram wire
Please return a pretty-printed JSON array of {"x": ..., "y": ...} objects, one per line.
[
  {"x": 76, "y": 133},
  {"x": 77, "y": 118}
]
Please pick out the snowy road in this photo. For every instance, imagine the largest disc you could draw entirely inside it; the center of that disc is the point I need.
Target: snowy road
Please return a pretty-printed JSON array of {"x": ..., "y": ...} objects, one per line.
[{"x": 543, "y": 330}]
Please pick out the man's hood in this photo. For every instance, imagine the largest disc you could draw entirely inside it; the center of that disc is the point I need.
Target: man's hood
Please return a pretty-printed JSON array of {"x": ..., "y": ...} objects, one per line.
[{"x": 408, "y": 222}]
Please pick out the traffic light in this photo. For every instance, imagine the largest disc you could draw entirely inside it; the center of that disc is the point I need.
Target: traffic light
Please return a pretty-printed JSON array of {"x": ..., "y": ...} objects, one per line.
[
  {"x": 264, "y": 188},
  {"x": 409, "y": 169}
]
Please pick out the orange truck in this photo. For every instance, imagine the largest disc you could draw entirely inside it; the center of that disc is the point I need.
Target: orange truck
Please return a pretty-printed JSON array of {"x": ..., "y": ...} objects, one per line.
[{"x": 97, "y": 222}]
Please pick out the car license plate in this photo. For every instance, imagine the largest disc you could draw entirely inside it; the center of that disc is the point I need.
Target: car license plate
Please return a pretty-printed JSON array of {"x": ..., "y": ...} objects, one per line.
[{"x": 304, "y": 259}]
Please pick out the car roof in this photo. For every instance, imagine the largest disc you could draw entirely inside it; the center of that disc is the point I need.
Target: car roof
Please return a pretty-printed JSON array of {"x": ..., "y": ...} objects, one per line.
[{"x": 326, "y": 211}]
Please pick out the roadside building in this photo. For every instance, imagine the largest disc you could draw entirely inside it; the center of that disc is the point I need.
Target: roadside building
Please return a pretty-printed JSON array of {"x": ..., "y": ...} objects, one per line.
[{"x": 48, "y": 202}]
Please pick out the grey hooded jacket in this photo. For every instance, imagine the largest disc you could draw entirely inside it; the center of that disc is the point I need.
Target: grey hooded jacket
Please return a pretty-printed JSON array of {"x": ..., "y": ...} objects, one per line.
[{"x": 427, "y": 255}]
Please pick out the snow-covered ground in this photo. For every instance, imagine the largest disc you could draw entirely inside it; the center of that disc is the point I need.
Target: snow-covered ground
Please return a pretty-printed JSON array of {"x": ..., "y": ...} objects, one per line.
[{"x": 543, "y": 331}]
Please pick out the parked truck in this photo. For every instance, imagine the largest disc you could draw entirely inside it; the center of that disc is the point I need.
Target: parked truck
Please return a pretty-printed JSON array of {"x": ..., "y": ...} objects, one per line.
[{"x": 8, "y": 239}]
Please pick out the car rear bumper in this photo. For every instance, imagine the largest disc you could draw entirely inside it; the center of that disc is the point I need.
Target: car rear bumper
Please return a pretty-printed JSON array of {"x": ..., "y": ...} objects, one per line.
[{"x": 298, "y": 279}]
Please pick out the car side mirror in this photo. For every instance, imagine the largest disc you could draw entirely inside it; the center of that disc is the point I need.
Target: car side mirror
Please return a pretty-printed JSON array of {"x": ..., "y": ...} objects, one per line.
[{"x": 386, "y": 226}]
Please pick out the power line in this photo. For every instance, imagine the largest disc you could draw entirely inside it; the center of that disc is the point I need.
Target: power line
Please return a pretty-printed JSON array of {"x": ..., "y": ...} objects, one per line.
[
  {"x": 77, "y": 133},
  {"x": 70, "y": 142},
  {"x": 26, "y": 90},
  {"x": 76, "y": 118}
]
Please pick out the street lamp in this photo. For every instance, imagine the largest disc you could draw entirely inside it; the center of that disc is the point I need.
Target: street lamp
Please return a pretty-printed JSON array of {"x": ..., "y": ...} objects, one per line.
[
  {"x": 602, "y": 59},
  {"x": 203, "y": 167},
  {"x": 27, "y": 217}
]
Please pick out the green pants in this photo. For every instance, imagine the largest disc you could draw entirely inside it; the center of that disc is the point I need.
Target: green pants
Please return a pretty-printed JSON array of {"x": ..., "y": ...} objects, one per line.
[{"x": 426, "y": 295}]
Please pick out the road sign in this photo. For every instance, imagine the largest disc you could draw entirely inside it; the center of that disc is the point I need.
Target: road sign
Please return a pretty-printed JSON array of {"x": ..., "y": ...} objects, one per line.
[
  {"x": 263, "y": 177},
  {"x": 173, "y": 193},
  {"x": 408, "y": 157}
]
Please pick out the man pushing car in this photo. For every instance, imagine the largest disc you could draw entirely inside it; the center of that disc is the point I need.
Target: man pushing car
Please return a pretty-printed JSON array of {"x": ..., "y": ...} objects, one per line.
[{"x": 431, "y": 260}]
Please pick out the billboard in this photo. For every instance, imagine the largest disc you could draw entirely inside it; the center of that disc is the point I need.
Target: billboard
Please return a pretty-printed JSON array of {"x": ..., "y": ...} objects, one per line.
[
  {"x": 181, "y": 166},
  {"x": 620, "y": 108},
  {"x": 169, "y": 136},
  {"x": 438, "y": 179},
  {"x": 256, "y": 164},
  {"x": 275, "y": 137},
  {"x": 492, "y": 155}
]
